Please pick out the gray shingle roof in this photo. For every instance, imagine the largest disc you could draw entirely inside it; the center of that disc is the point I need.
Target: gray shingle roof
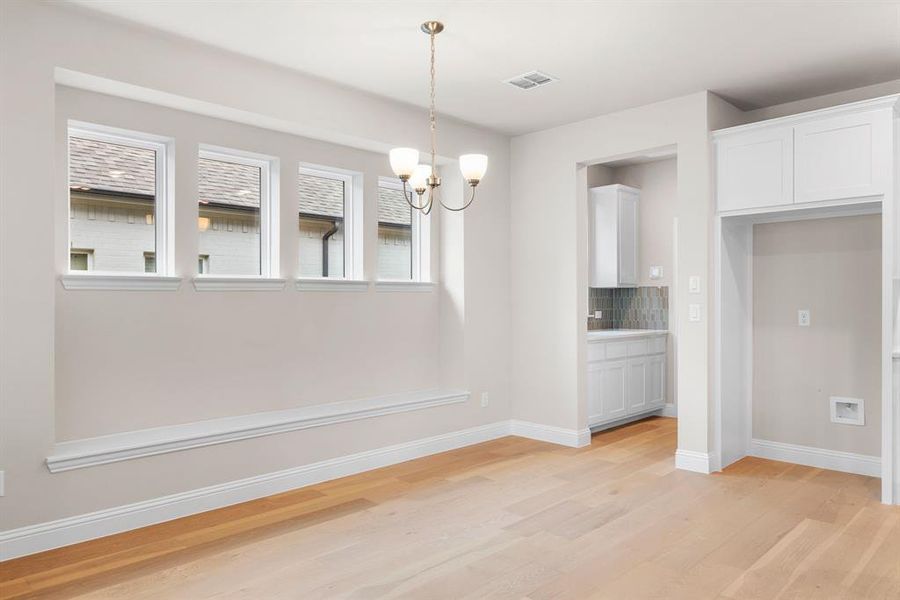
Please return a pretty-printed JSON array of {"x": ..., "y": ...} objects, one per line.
[
  {"x": 103, "y": 166},
  {"x": 111, "y": 167},
  {"x": 228, "y": 183}
]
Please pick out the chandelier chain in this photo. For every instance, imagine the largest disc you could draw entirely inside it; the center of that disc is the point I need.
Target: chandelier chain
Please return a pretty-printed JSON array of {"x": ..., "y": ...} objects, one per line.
[{"x": 431, "y": 112}]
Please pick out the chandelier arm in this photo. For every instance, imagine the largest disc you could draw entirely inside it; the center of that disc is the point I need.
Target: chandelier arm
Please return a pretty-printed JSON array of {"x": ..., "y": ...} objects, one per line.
[
  {"x": 409, "y": 198},
  {"x": 464, "y": 206}
]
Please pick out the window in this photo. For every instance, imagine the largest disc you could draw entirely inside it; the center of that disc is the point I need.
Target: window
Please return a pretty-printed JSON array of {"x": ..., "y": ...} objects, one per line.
[
  {"x": 118, "y": 201},
  {"x": 237, "y": 221},
  {"x": 81, "y": 260},
  {"x": 325, "y": 220},
  {"x": 403, "y": 241}
]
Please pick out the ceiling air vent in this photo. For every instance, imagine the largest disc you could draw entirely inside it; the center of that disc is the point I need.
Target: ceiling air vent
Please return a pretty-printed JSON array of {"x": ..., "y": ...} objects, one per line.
[{"x": 530, "y": 80}]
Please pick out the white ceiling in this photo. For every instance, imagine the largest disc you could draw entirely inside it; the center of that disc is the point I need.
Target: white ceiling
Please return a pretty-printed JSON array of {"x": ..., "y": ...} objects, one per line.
[{"x": 607, "y": 55}]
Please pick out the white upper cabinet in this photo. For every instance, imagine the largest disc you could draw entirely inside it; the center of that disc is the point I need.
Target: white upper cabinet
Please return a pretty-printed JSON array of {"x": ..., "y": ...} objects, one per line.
[
  {"x": 838, "y": 158},
  {"x": 613, "y": 234},
  {"x": 755, "y": 169},
  {"x": 831, "y": 155}
]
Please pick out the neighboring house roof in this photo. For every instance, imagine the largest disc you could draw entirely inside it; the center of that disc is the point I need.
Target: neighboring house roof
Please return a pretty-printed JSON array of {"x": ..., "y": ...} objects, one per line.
[{"x": 101, "y": 166}]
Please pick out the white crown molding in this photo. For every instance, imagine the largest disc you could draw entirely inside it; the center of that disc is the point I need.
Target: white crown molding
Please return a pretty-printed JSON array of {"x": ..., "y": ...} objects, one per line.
[
  {"x": 698, "y": 462},
  {"x": 95, "y": 281},
  {"x": 405, "y": 286},
  {"x": 892, "y": 102},
  {"x": 54, "y": 534},
  {"x": 211, "y": 283},
  {"x": 89, "y": 452},
  {"x": 321, "y": 284},
  {"x": 573, "y": 438},
  {"x": 834, "y": 460}
]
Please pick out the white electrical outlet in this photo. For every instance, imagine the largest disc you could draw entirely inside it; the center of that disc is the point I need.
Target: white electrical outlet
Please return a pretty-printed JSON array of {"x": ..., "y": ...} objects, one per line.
[
  {"x": 484, "y": 399},
  {"x": 656, "y": 272},
  {"x": 2, "y": 483},
  {"x": 803, "y": 317},
  {"x": 598, "y": 314}
]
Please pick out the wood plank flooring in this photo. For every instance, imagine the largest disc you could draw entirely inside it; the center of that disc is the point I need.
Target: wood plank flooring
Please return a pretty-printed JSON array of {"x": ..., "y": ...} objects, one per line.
[{"x": 512, "y": 518}]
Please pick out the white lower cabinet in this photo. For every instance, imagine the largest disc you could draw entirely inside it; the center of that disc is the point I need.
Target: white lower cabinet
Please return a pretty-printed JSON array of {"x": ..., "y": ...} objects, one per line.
[{"x": 624, "y": 386}]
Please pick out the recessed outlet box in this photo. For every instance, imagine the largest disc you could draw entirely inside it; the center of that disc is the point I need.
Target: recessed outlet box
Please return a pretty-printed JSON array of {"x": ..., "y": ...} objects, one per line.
[{"x": 848, "y": 411}]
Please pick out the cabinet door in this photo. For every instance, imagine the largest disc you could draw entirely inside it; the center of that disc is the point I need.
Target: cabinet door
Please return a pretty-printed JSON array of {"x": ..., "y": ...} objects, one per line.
[
  {"x": 628, "y": 238},
  {"x": 656, "y": 381},
  {"x": 595, "y": 393},
  {"x": 612, "y": 388},
  {"x": 755, "y": 169},
  {"x": 636, "y": 385},
  {"x": 841, "y": 157}
]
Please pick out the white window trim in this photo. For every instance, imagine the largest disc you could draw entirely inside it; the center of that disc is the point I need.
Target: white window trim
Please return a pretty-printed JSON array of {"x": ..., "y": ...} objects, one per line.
[
  {"x": 420, "y": 246},
  {"x": 404, "y": 286},
  {"x": 353, "y": 217},
  {"x": 164, "y": 203},
  {"x": 238, "y": 283},
  {"x": 105, "y": 281},
  {"x": 270, "y": 269},
  {"x": 329, "y": 284}
]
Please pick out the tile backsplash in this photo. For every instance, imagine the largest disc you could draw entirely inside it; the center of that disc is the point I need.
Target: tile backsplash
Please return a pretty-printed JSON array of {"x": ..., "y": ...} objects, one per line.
[{"x": 629, "y": 308}]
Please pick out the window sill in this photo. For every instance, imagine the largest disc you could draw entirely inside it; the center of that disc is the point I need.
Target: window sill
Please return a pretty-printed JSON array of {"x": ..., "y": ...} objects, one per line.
[
  {"x": 405, "y": 286},
  {"x": 313, "y": 284},
  {"x": 151, "y": 283},
  {"x": 204, "y": 283}
]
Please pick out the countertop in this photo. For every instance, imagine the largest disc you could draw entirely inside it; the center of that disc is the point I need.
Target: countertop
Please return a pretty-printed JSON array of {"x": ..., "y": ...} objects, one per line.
[{"x": 609, "y": 334}]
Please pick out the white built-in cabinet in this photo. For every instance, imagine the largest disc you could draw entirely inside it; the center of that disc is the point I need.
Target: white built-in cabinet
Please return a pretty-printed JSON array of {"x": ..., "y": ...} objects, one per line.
[
  {"x": 625, "y": 377},
  {"x": 825, "y": 156},
  {"x": 613, "y": 231}
]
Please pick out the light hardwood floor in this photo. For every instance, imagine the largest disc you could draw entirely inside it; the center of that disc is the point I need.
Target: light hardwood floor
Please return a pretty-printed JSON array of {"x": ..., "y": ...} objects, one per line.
[{"x": 511, "y": 518}]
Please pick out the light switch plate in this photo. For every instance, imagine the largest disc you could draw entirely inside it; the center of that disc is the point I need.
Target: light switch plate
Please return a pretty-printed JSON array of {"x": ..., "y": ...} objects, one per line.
[
  {"x": 694, "y": 313},
  {"x": 694, "y": 284},
  {"x": 803, "y": 317}
]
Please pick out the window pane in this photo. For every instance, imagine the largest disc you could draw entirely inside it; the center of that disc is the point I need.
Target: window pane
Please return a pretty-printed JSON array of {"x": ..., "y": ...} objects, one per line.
[
  {"x": 321, "y": 222},
  {"x": 229, "y": 217},
  {"x": 78, "y": 261},
  {"x": 395, "y": 248},
  {"x": 112, "y": 201}
]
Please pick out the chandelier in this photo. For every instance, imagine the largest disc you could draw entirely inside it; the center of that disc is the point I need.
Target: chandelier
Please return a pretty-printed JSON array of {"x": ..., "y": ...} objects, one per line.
[{"x": 423, "y": 177}]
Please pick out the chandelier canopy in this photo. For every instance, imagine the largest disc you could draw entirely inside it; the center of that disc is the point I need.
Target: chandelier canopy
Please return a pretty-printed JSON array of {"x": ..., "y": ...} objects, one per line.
[{"x": 422, "y": 177}]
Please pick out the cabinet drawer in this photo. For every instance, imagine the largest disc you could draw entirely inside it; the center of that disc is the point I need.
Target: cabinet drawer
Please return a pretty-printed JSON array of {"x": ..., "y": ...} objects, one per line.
[
  {"x": 657, "y": 345},
  {"x": 637, "y": 348},
  {"x": 616, "y": 350},
  {"x": 596, "y": 351}
]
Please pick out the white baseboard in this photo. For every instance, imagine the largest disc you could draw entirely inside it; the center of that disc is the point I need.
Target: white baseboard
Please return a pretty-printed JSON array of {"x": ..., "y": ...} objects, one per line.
[
  {"x": 573, "y": 438},
  {"x": 821, "y": 458},
  {"x": 71, "y": 530},
  {"x": 670, "y": 410},
  {"x": 699, "y": 462}
]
